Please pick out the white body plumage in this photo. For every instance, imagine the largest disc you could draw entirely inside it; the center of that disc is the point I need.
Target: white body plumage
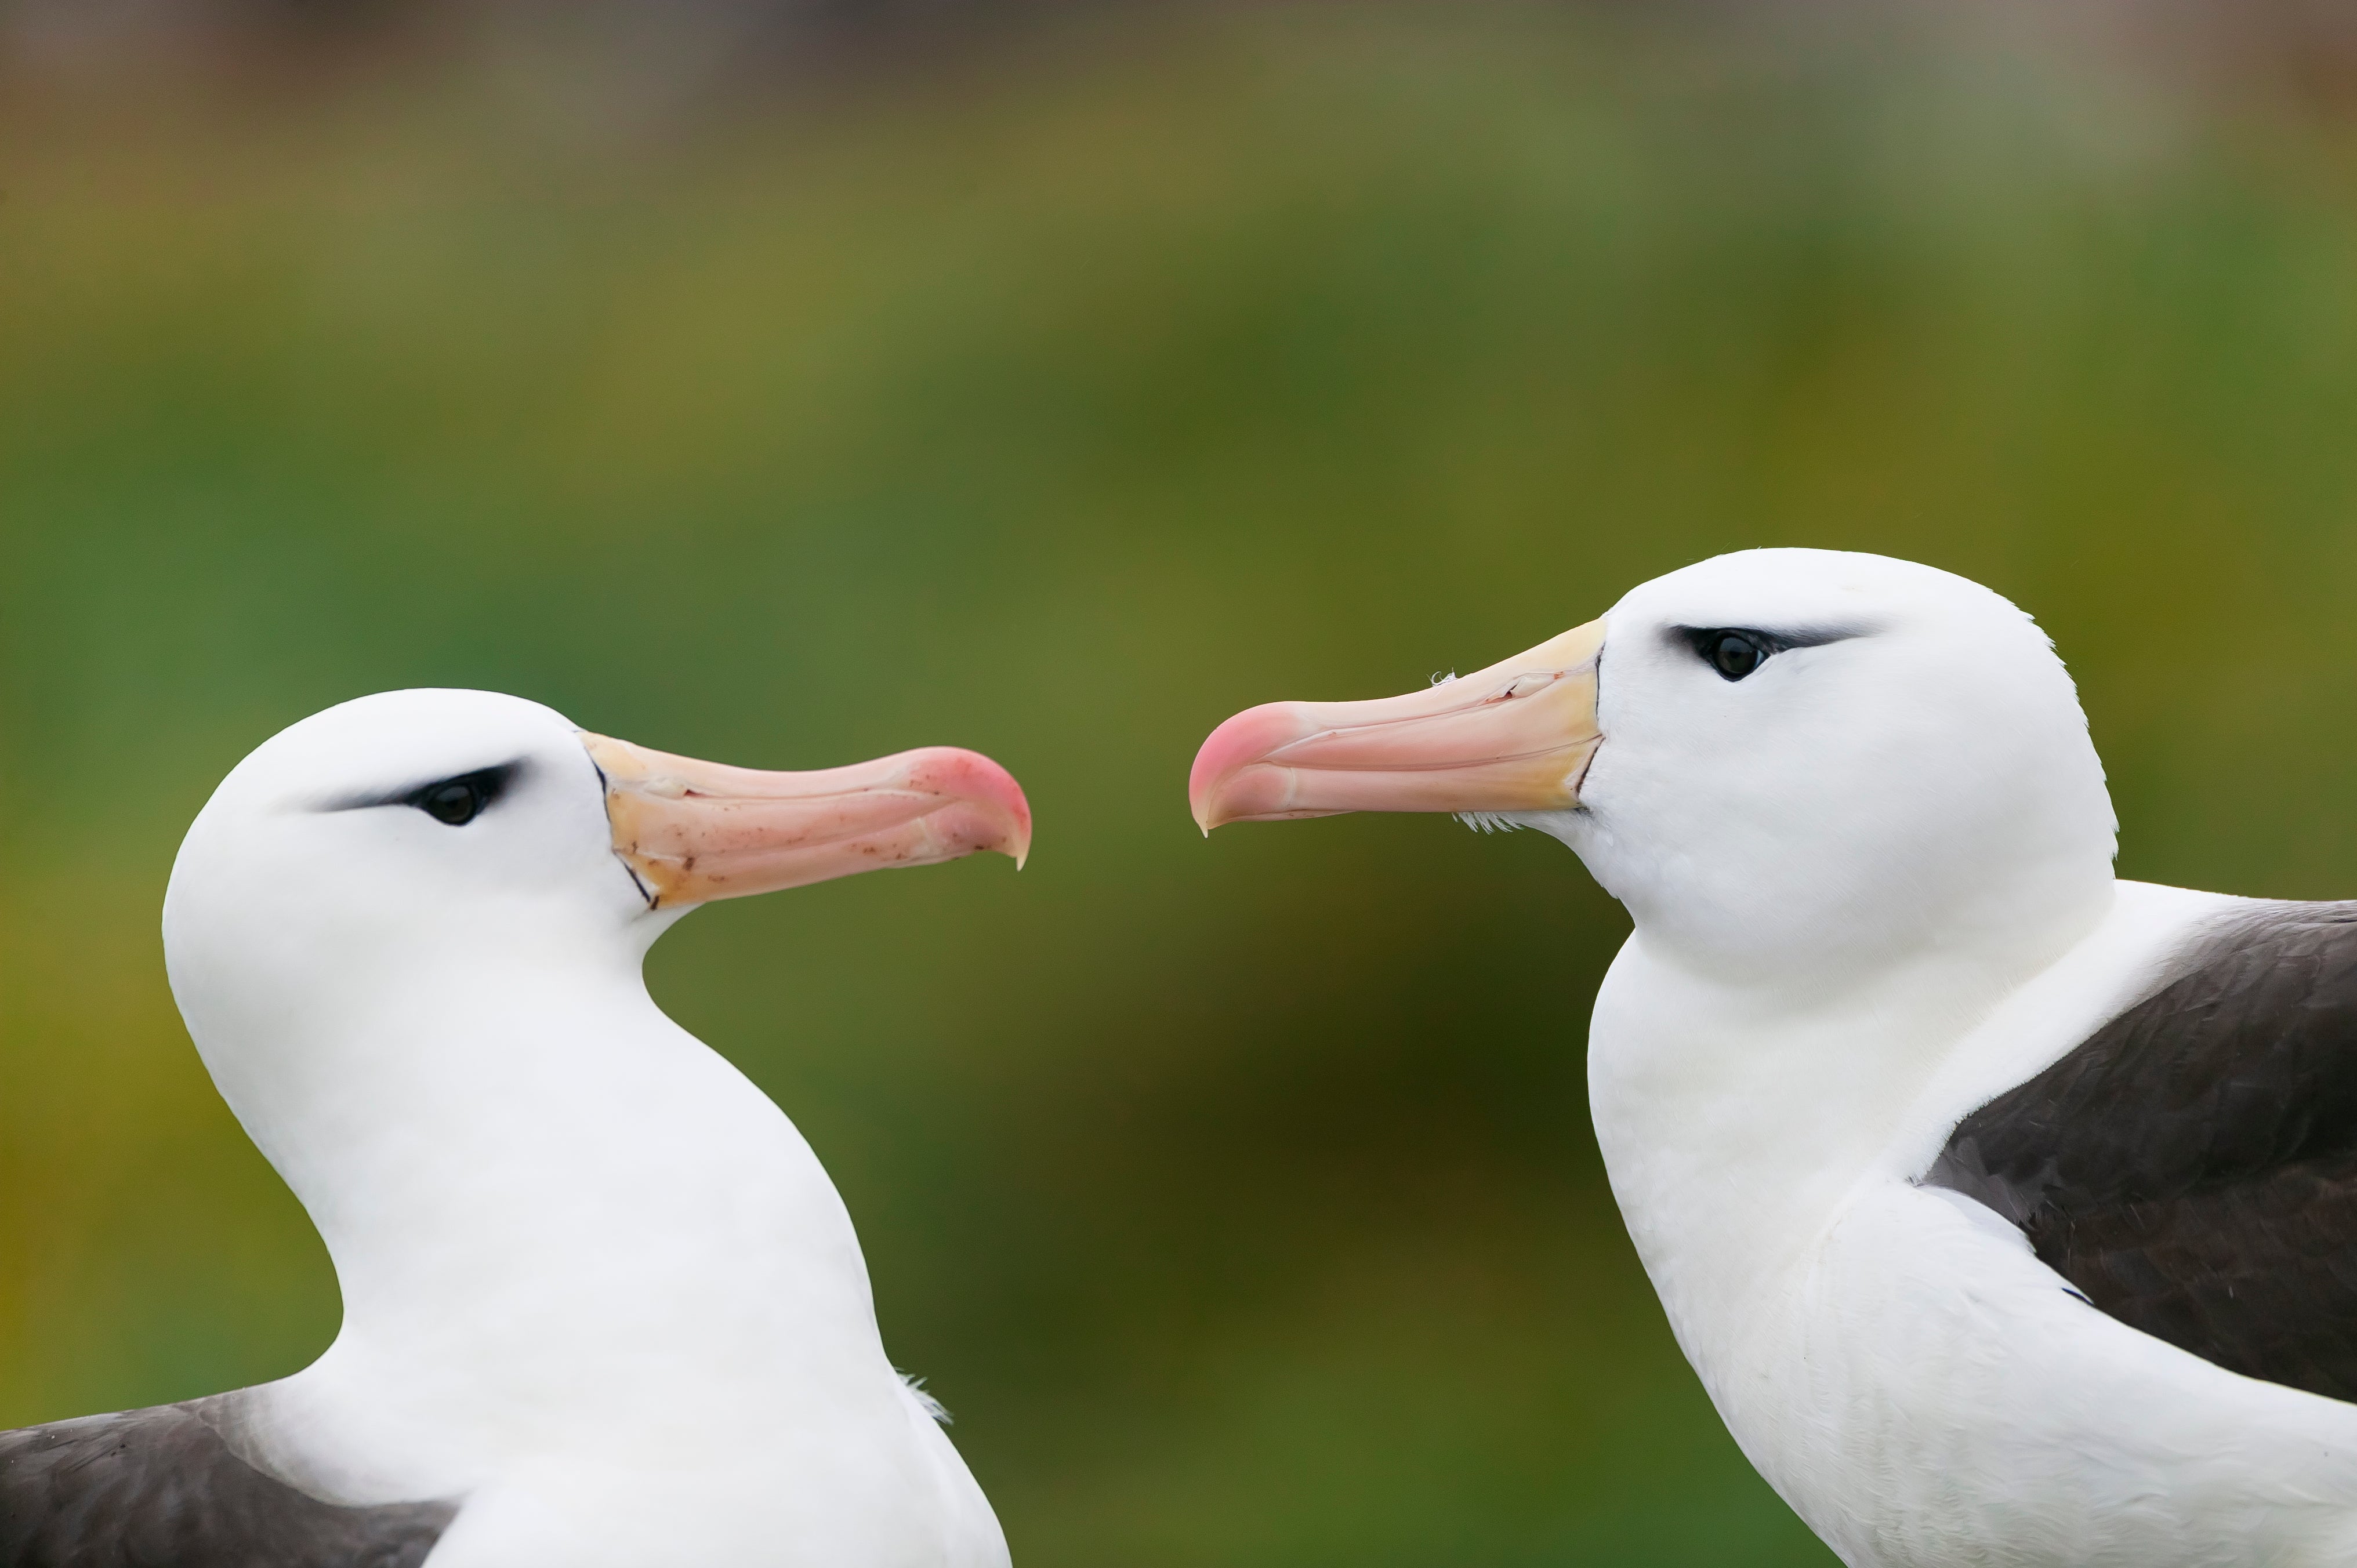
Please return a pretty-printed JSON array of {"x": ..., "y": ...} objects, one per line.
[
  {"x": 1913, "y": 1381},
  {"x": 598, "y": 1292}
]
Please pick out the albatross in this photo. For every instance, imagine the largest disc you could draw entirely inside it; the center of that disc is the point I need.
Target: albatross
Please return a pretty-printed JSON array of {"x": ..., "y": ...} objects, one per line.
[
  {"x": 2007, "y": 1210},
  {"x": 602, "y": 1305}
]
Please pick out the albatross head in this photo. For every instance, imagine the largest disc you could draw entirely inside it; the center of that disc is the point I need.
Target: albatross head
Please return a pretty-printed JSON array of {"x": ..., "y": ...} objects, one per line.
[
  {"x": 1779, "y": 761},
  {"x": 423, "y": 840}
]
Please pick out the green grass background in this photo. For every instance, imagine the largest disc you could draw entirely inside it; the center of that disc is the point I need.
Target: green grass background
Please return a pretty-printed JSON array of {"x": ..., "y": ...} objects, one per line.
[{"x": 1059, "y": 401}]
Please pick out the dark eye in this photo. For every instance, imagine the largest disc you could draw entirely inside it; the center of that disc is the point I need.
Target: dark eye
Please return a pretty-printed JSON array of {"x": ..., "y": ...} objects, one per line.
[
  {"x": 1734, "y": 654},
  {"x": 457, "y": 801}
]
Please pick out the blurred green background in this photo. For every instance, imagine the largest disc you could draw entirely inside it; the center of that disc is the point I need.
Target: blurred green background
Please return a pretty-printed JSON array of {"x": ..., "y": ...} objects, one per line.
[{"x": 1057, "y": 384}]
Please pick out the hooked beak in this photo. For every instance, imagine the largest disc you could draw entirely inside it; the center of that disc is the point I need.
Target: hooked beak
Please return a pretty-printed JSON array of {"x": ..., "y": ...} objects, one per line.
[
  {"x": 1517, "y": 736},
  {"x": 694, "y": 831}
]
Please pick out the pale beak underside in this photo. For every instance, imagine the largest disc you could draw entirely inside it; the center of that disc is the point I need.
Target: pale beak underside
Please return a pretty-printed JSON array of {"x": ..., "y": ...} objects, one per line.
[{"x": 1516, "y": 736}]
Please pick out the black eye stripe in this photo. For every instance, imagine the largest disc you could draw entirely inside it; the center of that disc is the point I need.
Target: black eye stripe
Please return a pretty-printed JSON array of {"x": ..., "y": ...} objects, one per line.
[
  {"x": 1735, "y": 651},
  {"x": 456, "y": 801}
]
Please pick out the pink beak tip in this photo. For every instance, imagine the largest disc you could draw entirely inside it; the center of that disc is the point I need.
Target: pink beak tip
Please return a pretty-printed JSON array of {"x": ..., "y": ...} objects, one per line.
[
  {"x": 1238, "y": 743},
  {"x": 976, "y": 777}
]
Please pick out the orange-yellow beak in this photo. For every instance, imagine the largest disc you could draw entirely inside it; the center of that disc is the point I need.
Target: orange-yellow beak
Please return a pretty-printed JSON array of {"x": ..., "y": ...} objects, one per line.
[
  {"x": 694, "y": 831},
  {"x": 1515, "y": 738}
]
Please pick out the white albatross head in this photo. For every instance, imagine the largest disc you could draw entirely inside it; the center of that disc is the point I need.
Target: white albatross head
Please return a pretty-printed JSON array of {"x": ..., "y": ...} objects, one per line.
[
  {"x": 1784, "y": 763},
  {"x": 431, "y": 825}
]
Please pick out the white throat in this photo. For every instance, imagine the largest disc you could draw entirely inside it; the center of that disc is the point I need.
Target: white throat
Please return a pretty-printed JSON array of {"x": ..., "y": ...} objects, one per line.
[
  {"x": 550, "y": 1210},
  {"x": 1774, "y": 1099}
]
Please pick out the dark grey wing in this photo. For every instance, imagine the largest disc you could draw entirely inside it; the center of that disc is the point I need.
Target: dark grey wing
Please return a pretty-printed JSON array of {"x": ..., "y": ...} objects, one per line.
[
  {"x": 2191, "y": 1168},
  {"x": 162, "y": 1488}
]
